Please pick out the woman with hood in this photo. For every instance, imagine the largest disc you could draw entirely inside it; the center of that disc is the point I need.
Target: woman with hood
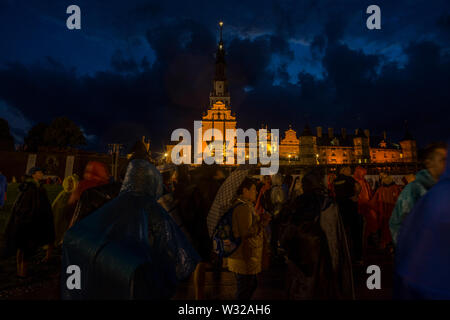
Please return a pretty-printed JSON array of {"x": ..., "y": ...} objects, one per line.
[
  {"x": 383, "y": 203},
  {"x": 364, "y": 208},
  {"x": 62, "y": 211},
  {"x": 130, "y": 248},
  {"x": 95, "y": 174},
  {"x": 422, "y": 260}
]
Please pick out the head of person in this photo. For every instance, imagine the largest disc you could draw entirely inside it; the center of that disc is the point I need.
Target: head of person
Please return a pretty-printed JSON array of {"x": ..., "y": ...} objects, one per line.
[
  {"x": 143, "y": 178},
  {"x": 96, "y": 171},
  {"x": 139, "y": 151},
  {"x": 208, "y": 172},
  {"x": 312, "y": 182},
  {"x": 277, "y": 179},
  {"x": 434, "y": 158},
  {"x": 36, "y": 173},
  {"x": 346, "y": 171},
  {"x": 387, "y": 179},
  {"x": 247, "y": 190},
  {"x": 360, "y": 173},
  {"x": 70, "y": 183}
]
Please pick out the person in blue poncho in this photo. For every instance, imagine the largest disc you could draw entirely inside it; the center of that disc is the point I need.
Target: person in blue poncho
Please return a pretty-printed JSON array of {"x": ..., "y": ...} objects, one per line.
[
  {"x": 422, "y": 259},
  {"x": 130, "y": 248},
  {"x": 433, "y": 158}
]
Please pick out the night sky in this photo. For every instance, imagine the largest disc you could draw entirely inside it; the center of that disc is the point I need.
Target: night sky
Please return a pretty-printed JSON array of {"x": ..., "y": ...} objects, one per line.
[{"x": 146, "y": 67}]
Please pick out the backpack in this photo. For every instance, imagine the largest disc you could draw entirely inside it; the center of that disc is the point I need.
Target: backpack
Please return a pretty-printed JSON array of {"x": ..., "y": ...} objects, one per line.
[{"x": 224, "y": 241}]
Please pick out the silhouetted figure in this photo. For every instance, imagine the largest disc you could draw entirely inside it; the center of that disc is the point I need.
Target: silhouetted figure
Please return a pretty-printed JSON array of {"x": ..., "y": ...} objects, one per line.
[
  {"x": 346, "y": 190},
  {"x": 31, "y": 222}
]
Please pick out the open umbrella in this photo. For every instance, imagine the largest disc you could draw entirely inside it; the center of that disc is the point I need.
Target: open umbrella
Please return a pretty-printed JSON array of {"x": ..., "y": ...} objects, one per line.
[{"x": 226, "y": 196}]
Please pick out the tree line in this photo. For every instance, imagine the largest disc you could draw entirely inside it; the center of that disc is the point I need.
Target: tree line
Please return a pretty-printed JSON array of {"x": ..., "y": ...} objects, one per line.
[{"x": 61, "y": 133}]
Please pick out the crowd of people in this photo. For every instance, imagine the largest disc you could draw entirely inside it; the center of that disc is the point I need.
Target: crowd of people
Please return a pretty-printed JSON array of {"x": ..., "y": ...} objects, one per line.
[{"x": 142, "y": 235}]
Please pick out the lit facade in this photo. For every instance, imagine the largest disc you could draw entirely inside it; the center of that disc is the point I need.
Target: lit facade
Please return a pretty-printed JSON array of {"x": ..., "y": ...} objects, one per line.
[
  {"x": 357, "y": 148},
  {"x": 308, "y": 148}
]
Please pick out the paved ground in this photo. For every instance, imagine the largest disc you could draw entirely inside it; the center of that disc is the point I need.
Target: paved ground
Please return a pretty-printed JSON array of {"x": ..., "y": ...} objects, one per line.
[{"x": 44, "y": 285}]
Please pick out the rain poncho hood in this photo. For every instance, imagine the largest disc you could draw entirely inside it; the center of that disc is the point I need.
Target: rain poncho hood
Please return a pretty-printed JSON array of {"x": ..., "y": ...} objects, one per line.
[
  {"x": 95, "y": 174},
  {"x": 408, "y": 198},
  {"x": 360, "y": 173},
  {"x": 66, "y": 183},
  {"x": 130, "y": 248},
  {"x": 422, "y": 260}
]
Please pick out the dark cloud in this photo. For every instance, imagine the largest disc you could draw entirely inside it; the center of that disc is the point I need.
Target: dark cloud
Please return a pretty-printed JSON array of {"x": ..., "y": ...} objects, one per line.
[
  {"x": 120, "y": 63},
  {"x": 161, "y": 61}
]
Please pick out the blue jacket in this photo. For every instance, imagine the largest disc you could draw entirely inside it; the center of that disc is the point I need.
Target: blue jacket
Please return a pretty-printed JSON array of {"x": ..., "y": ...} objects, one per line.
[
  {"x": 422, "y": 257},
  {"x": 130, "y": 248},
  {"x": 408, "y": 198}
]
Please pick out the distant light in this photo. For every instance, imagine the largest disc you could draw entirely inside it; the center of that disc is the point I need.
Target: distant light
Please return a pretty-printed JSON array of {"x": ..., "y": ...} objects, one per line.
[
  {"x": 165, "y": 154},
  {"x": 221, "y": 23}
]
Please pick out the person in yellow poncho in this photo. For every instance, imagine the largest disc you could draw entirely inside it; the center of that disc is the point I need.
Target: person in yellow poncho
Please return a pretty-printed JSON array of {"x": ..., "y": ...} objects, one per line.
[{"x": 62, "y": 210}]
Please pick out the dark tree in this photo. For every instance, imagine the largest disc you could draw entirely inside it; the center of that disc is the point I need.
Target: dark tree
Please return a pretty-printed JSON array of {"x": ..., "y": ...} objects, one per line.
[
  {"x": 63, "y": 133},
  {"x": 35, "y": 137},
  {"x": 6, "y": 139}
]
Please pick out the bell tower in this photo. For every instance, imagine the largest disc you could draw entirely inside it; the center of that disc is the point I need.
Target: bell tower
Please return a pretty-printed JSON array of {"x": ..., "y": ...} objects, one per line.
[
  {"x": 219, "y": 90},
  {"x": 218, "y": 115}
]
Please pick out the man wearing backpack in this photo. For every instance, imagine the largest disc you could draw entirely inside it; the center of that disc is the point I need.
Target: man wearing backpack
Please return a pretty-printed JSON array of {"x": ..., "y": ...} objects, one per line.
[{"x": 246, "y": 261}]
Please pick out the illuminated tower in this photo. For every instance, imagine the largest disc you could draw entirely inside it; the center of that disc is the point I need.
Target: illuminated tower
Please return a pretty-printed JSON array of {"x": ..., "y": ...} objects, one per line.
[{"x": 218, "y": 115}]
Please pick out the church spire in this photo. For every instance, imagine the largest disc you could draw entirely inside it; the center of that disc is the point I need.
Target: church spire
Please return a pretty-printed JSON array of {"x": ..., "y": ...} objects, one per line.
[
  {"x": 220, "y": 82},
  {"x": 220, "y": 58}
]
